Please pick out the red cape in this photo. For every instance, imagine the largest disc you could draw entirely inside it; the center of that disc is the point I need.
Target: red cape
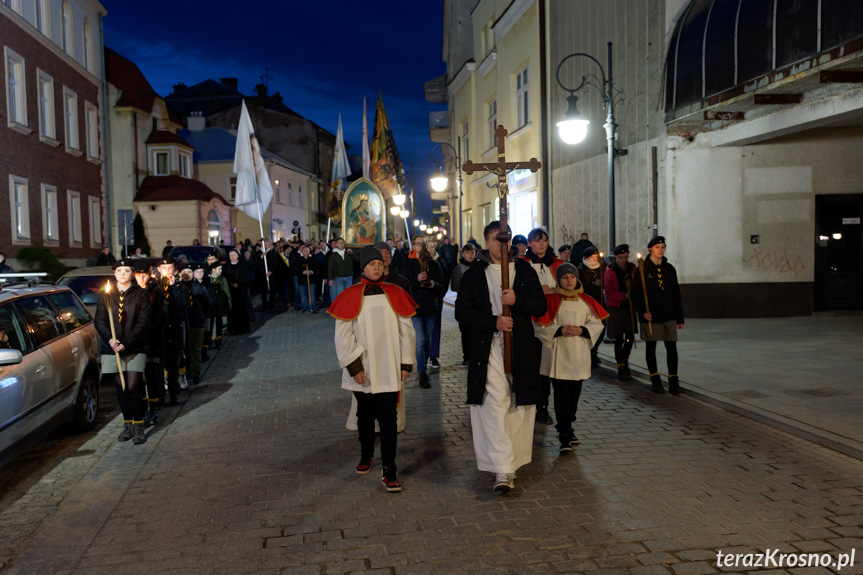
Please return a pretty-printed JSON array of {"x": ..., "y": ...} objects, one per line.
[
  {"x": 555, "y": 299},
  {"x": 350, "y": 302}
]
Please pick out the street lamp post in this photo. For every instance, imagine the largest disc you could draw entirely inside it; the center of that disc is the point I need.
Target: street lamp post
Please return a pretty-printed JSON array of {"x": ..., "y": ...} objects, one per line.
[
  {"x": 440, "y": 182},
  {"x": 573, "y": 127}
]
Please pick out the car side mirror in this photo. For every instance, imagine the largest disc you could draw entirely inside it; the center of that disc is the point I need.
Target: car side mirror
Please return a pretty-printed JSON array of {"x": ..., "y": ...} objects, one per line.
[
  {"x": 90, "y": 298},
  {"x": 10, "y": 357}
]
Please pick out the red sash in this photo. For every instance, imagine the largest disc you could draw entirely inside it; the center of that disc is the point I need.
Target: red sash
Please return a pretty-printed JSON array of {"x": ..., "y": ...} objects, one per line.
[{"x": 350, "y": 302}]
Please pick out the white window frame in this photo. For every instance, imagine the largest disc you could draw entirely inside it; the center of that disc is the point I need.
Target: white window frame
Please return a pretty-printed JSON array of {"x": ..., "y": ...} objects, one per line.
[
  {"x": 467, "y": 218},
  {"x": 156, "y": 155},
  {"x": 67, "y": 33},
  {"x": 43, "y": 24},
  {"x": 14, "y": 5},
  {"x": 19, "y": 206},
  {"x": 74, "y": 219},
  {"x": 91, "y": 116},
  {"x": 47, "y": 112},
  {"x": 50, "y": 214},
  {"x": 522, "y": 98},
  {"x": 15, "y": 80},
  {"x": 465, "y": 139},
  {"x": 70, "y": 121},
  {"x": 232, "y": 188},
  {"x": 94, "y": 212},
  {"x": 89, "y": 52},
  {"x": 491, "y": 109},
  {"x": 300, "y": 197},
  {"x": 185, "y": 164}
]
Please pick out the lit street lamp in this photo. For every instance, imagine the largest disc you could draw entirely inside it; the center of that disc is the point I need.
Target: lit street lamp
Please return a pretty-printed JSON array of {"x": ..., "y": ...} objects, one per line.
[
  {"x": 439, "y": 182},
  {"x": 573, "y": 127}
]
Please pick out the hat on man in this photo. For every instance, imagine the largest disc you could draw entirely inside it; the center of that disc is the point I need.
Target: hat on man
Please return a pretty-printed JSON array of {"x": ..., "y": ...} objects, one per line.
[
  {"x": 519, "y": 239},
  {"x": 142, "y": 267},
  {"x": 124, "y": 263},
  {"x": 368, "y": 254},
  {"x": 214, "y": 265},
  {"x": 565, "y": 268},
  {"x": 382, "y": 246},
  {"x": 655, "y": 240},
  {"x": 563, "y": 248},
  {"x": 166, "y": 262},
  {"x": 589, "y": 251},
  {"x": 621, "y": 249}
]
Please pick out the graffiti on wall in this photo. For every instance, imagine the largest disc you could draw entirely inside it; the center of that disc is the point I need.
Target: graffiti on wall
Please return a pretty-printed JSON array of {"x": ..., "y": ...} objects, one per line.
[
  {"x": 776, "y": 261},
  {"x": 566, "y": 237}
]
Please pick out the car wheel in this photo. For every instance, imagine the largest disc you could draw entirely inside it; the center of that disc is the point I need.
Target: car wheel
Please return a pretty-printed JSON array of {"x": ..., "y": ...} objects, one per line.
[{"x": 86, "y": 404}]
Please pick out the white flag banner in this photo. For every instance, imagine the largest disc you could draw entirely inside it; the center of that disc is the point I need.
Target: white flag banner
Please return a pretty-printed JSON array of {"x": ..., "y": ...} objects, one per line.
[{"x": 254, "y": 190}]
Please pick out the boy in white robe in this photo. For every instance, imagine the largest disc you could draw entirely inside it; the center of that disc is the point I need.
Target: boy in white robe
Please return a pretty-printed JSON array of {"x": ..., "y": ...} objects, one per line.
[
  {"x": 376, "y": 346},
  {"x": 569, "y": 329},
  {"x": 502, "y": 406}
]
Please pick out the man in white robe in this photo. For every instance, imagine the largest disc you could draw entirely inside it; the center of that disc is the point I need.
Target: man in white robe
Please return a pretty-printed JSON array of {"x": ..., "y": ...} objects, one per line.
[{"x": 502, "y": 406}]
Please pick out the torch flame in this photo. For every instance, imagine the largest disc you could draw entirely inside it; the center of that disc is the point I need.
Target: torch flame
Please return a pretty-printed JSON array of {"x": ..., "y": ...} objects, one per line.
[
  {"x": 638, "y": 255},
  {"x": 107, "y": 287}
]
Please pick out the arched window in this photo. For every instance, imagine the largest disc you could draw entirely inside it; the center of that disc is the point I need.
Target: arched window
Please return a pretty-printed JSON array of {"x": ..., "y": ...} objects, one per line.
[
  {"x": 89, "y": 54},
  {"x": 214, "y": 228},
  {"x": 68, "y": 38}
]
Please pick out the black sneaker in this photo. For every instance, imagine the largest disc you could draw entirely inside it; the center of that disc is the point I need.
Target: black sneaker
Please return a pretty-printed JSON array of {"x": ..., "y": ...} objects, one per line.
[
  {"x": 424, "y": 381},
  {"x": 594, "y": 360},
  {"x": 365, "y": 465},
  {"x": 674, "y": 386},
  {"x": 623, "y": 373},
  {"x": 542, "y": 416},
  {"x": 573, "y": 440},
  {"x": 390, "y": 481},
  {"x": 656, "y": 384},
  {"x": 435, "y": 365},
  {"x": 565, "y": 447}
]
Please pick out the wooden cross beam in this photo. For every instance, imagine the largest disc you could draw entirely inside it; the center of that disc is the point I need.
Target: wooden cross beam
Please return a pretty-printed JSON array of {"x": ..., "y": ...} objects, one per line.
[{"x": 501, "y": 168}]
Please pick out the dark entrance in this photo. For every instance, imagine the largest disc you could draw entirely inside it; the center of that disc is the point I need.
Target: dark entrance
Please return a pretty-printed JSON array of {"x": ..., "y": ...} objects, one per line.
[{"x": 838, "y": 252}]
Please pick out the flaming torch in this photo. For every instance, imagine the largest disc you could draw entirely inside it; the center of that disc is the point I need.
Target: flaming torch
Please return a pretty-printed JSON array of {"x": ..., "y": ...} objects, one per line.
[{"x": 114, "y": 332}]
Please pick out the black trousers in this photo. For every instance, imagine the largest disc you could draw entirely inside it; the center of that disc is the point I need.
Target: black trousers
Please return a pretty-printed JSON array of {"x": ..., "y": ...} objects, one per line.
[
  {"x": 622, "y": 347},
  {"x": 131, "y": 399},
  {"x": 465, "y": 342},
  {"x": 566, "y": 395},
  {"x": 380, "y": 406},
  {"x": 154, "y": 374},
  {"x": 174, "y": 346},
  {"x": 545, "y": 382}
]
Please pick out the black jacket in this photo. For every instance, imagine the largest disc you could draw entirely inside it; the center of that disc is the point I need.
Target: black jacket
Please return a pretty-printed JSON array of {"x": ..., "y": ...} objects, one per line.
[
  {"x": 398, "y": 279},
  {"x": 663, "y": 292},
  {"x": 589, "y": 277},
  {"x": 132, "y": 328},
  {"x": 473, "y": 312},
  {"x": 158, "y": 316},
  {"x": 312, "y": 264},
  {"x": 200, "y": 307},
  {"x": 428, "y": 299}
]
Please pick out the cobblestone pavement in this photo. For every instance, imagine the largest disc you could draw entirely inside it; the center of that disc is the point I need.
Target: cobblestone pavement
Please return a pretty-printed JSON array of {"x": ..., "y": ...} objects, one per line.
[{"x": 255, "y": 475}]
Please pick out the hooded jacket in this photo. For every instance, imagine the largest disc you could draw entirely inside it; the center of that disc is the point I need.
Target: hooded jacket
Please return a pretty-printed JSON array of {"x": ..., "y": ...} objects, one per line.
[{"x": 473, "y": 311}]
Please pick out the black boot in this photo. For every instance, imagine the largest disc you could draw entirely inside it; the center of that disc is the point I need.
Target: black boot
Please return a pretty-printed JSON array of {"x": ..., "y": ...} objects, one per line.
[
  {"x": 623, "y": 373},
  {"x": 127, "y": 432},
  {"x": 139, "y": 436},
  {"x": 156, "y": 415},
  {"x": 656, "y": 384},
  {"x": 424, "y": 381},
  {"x": 674, "y": 385}
]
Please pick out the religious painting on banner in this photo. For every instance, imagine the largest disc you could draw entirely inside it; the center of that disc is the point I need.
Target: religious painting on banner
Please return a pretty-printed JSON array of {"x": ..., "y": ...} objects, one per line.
[{"x": 363, "y": 221}]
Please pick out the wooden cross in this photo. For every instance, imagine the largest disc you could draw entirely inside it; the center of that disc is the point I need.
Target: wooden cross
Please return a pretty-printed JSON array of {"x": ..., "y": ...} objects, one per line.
[{"x": 501, "y": 168}]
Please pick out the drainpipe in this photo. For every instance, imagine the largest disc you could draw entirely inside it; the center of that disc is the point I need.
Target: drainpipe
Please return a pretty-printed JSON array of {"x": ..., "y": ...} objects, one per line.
[
  {"x": 547, "y": 217},
  {"x": 106, "y": 128}
]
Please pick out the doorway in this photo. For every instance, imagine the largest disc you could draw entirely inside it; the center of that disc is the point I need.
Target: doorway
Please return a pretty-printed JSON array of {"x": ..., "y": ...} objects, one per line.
[{"x": 838, "y": 252}]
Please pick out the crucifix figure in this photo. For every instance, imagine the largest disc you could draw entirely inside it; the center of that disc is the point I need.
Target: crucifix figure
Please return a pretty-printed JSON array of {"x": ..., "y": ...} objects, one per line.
[{"x": 501, "y": 168}]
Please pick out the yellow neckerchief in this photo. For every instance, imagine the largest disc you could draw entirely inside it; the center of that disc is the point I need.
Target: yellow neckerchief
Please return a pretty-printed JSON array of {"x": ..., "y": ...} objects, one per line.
[
  {"x": 121, "y": 295},
  {"x": 569, "y": 294},
  {"x": 287, "y": 263}
]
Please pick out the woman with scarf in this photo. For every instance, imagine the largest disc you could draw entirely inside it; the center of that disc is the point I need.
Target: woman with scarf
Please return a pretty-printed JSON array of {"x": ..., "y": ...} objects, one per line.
[
  {"x": 130, "y": 308},
  {"x": 239, "y": 277},
  {"x": 590, "y": 273},
  {"x": 545, "y": 264}
]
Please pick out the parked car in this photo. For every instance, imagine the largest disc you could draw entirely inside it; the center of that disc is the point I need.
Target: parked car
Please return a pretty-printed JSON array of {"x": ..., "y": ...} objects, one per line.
[
  {"x": 86, "y": 283},
  {"x": 49, "y": 365},
  {"x": 185, "y": 255}
]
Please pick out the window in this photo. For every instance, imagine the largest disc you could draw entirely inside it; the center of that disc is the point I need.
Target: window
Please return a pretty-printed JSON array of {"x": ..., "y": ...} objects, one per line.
[
  {"x": 70, "y": 111},
  {"x": 301, "y": 196},
  {"x": 50, "y": 227},
  {"x": 73, "y": 201},
  {"x": 42, "y": 319},
  {"x": 486, "y": 214},
  {"x": 92, "y": 131},
  {"x": 185, "y": 165},
  {"x": 12, "y": 324},
  {"x": 465, "y": 138},
  {"x": 68, "y": 38},
  {"x": 161, "y": 164},
  {"x": 16, "y": 96},
  {"x": 467, "y": 219},
  {"x": 89, "y": 54},
  {"x": 490, "y": 35},
  {"x": 19, "y": 200},
  {"x": 214, "y": 228},
  {"x": 72, "y": 311},
  {"x": 522, "y": 98},
  {"x": 14, "y": 4},
  {"x": 233, "y": 187},
  {"x": 95, "y": 209},
  {"x": 492, "y": 123},
  {"x": 483, "y": 49},
  {"x": 278, "y": 192},
  {"x": 42, "y": 12},
  {"x": 47, "y": 127}
]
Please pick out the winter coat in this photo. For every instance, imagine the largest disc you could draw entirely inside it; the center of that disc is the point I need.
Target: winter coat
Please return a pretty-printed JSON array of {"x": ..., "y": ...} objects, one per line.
[
  {"x": 199, "y": 304},
  {"x": 132, "y": 328},
  {"x": 428, "y": 299},
  {"x": 338, "y": 266},
  {"x": 588, "y": 278},
  {"x": 458, "y": 272},
  {"x": 663, "y": 293},
  {"x": 398, "y": 279},
  {"x": 474, "y": 314},
  {"x": 158, "y": 319},
  {"x": 222, "y": 299}
]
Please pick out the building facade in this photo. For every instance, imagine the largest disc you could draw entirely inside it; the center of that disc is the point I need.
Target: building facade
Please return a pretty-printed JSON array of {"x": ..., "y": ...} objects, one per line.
[{"x": 52, "y": 150}]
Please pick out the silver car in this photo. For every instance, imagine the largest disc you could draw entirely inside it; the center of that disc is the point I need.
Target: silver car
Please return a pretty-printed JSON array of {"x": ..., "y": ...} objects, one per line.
[{"x": 49, "y": 365}]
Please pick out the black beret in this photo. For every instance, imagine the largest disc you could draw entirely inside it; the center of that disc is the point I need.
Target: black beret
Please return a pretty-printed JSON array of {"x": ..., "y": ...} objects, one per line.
[
  {"x": 369, "y": 254},
  {"x": 621, "y": 249},
  {"x": 166, "y": 262},
  {"x": 563, "y": 248},
  {"x": 215, "y": 265},
  {"x": 197, "y": 266},
  {"x": 142, "y": 267},
  {"x": 124, "y": 263},
  {"x": 656, "y": 240},
  {"x": 589, "y": 251},
  {"x": 519, "y": 239}
]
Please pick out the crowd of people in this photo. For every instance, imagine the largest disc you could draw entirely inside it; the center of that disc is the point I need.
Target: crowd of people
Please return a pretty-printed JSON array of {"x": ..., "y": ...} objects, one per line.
[{"x": 387, "y": 300}]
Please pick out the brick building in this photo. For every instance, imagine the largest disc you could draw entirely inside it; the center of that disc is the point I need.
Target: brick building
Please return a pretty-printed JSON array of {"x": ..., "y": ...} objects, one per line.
[{"x": 51, "y": 150}]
